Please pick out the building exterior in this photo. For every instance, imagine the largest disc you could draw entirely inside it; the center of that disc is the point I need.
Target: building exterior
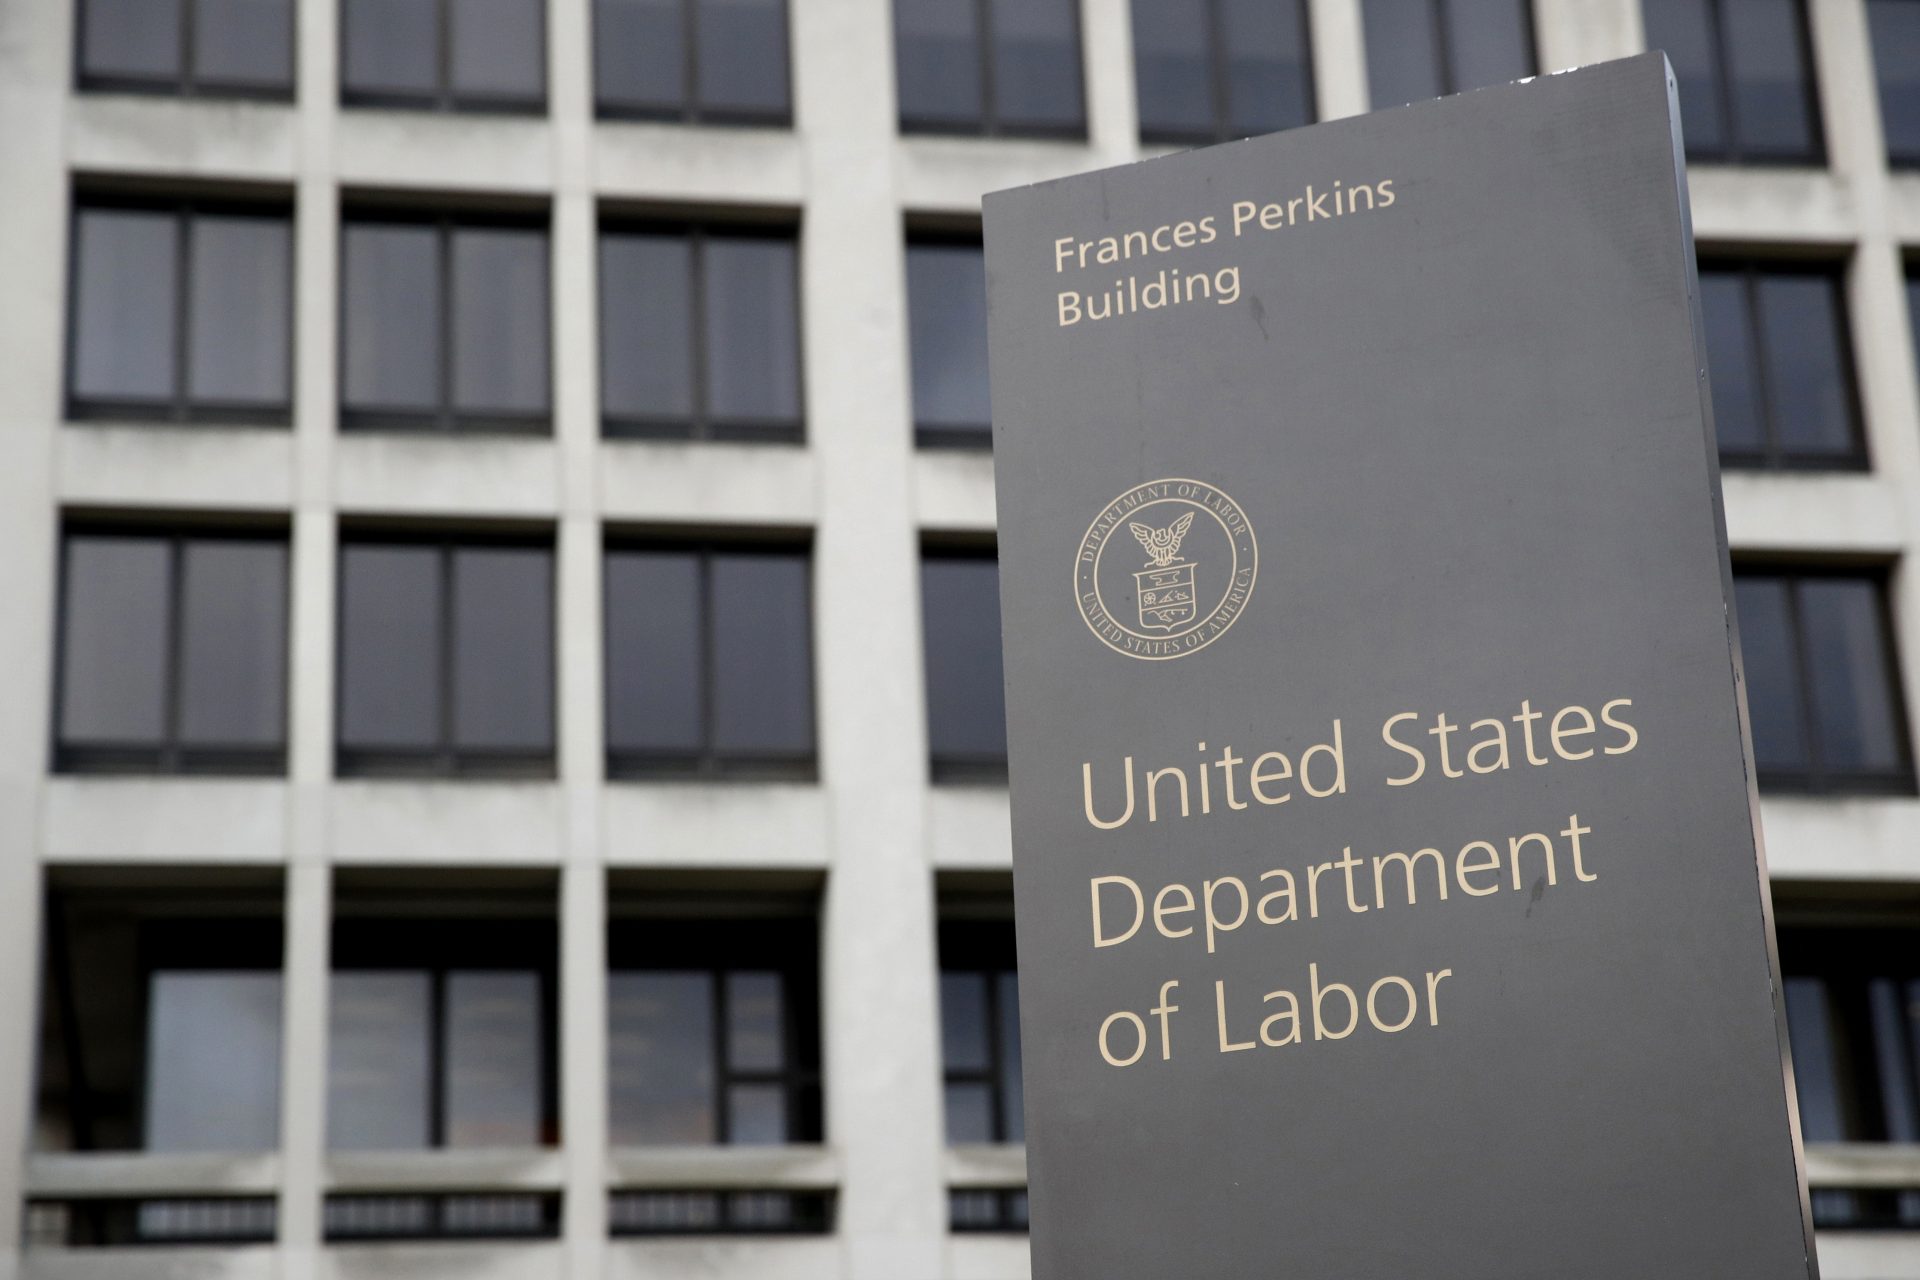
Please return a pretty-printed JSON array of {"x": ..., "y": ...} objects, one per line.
[{"x": 503, "y": 774}]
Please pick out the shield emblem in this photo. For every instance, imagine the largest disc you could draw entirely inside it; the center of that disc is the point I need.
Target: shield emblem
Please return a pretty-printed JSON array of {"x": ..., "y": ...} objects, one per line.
[{"x": 1167, "y": 596}]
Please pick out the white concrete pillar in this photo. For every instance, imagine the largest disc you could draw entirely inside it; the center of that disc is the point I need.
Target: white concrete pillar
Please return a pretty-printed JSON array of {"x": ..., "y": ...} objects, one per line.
[{"x": 1339, "y": 58}]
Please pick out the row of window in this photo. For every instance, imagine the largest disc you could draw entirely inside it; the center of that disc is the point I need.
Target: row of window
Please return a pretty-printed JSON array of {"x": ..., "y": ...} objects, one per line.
[
  {"x": 1206, "y": 70},
  {"x": 173, "y": 655}
]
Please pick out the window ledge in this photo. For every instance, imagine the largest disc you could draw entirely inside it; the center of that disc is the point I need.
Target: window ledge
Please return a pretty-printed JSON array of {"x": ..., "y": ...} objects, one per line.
[
  {"x": 799, "y": 1167},
  {"x": 85, "y": 1174},
  {"x": 1856, "y": 1165},
  {"x": 986, "y": 1166},
  {"x": 468, "y": 1169}
]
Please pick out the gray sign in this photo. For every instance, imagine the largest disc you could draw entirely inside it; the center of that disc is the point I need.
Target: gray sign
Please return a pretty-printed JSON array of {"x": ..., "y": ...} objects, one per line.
[{"x": 1390, "y": 892}]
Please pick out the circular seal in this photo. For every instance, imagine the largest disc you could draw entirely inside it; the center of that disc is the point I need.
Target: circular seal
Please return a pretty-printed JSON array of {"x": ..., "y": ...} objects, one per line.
[{"x": 1165, "y": 569}]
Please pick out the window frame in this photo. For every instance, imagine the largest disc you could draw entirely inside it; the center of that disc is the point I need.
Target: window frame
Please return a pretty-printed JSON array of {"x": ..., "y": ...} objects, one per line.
[
  {"x": 443, "y": 97},
  {"x": 692, "y": 109},
  {"x": 965, "y": 948},
  {"x": 444, "y": 759},
  {"x": 187, "y": 83},
  {"x": 943, "y": 437},
  {"x": 445, "y": 419},
  {"x": 1771, "y": 457},
  {"x": 1442, "y": 52},
  {"x": 1219, "y": 85},
  {"x": 1735, "y": 151},
  {"x": 989, "y": 123},
  {"x": 180, "y": 407}
]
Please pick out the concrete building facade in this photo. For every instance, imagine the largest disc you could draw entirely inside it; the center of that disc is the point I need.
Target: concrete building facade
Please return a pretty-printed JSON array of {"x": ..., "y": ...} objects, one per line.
[{"x": 881, "y": 861}]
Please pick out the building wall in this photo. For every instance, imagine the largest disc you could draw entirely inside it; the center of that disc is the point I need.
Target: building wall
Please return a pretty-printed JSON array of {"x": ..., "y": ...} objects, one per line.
[{"x": 873, "y": 829}]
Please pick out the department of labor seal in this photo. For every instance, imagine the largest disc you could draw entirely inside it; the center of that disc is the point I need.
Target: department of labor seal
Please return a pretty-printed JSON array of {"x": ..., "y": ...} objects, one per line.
[{"x": 1165, "y": 569}]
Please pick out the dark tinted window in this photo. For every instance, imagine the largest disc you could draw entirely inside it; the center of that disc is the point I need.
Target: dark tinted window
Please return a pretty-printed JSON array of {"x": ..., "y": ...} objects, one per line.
[
  {"x": 713, "y": 1031},
  {"x": 714, "y": 60},
  {"x": 699, "y": 335},
  {"x": 1780, "y": 367},
  {"x": 1895, "y": 28},
  {"x": 181, "y": 312},
  {"x": 1823, "y": 695},
  {"x": 980, "y": 1032},
  {"x": 947, "y": 316},
  {"x": 173, "y": 652},
  {"x": 709, "y": 661},
  {"x": 989, "y": 66},
  {"x": 966, "y": 709},
  {"x": 1420, "y": 49},
  {"x": 207, "y": 47},
  {"x": 445, "y": 657},
  {"x": 1209, "y": 70},
  {"x": 450, "y": 54},
  {"x": 444, "y": 326},
  {"x": 1746, "y": 80}
]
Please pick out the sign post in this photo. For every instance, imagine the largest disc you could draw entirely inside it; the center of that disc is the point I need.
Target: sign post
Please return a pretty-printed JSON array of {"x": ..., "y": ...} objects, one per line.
[{"x": 1388, "y": 871}]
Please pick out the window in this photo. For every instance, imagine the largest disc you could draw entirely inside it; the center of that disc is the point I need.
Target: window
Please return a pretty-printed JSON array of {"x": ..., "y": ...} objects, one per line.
[
  {"x": 1895, "y": 27},
  {"x": 1823, "y": 695},
  {"x": 712, "y": 61},
  {"x": 1853, "y": 1015},
  {"x": 1210, "y": 70},
  {"x": 180, "y": 312},
  {"x": 713, "y": 1031},
  {"x": 947, "y": 317},
  {"x": 1780, "y": 366},
  {"x": 1746, "y": 81},
  {"x": 709, "y": 661},
  {"x": 1419, "y": 49},
  {"x": 446, "y": 656},
  {"x": 980, "y": 1031},
  {"x": 172, "y": 652},
  {"x": 463, "y": 55},
  {"x": 966, "y": 707},
  {"x": 989, "y": 67},
  {"x": 442, "y": 1026},
  {"x": 160, "y": 1017},
  {"x": 444, "y": 325},
  {"x": 509, "y": 1215},
  {"x": 699, "y": 334},
  {"x": 706, "y": 1213},
  {"x": 209, "y": 48}
]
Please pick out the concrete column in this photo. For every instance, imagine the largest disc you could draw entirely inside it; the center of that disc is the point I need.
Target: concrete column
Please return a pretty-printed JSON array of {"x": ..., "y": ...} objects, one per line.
[
  {"x": 1339, "y": 57},
  {"x": 1113, "y": 105},
  {"x": 1574, "y": 33}
]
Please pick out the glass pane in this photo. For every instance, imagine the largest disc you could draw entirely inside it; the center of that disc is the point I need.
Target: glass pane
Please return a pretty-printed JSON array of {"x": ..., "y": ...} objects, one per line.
[
  {"x": 646, "y": 325},
  {"x": 752, "y": 331},
  {"x": 1895, "y": 26},
  {"x": 138, "y": 39},
  {"x": 239, "y": 313},
  {"x": 114, "y": 642},
  {"x": 762, "y": 656},
  {"x": 1766, "y": 62},
  {"x": 1170, "y": 68},
  {"x": 389, "y": 647},
  {"x": 1685, "y": 29},
  {"x": 1896, "y": 1017},
  {"x": 1491, "y": 41},
  {"x": 379, "y": 1053},
  {"x": 1403, "y": 51},
  {"x": 125, "y": 288},
  {"x": 1772, "y": 668},
  {"x": 969, "y": 1113},
  {"x": 500, "y": 321},
  {"x": 503, "y": 648},
  {"x": 392, "y": 46},
  {"x": 756, "y": 1115},
  {"x": 743, "y": 55},
  {"x": 964, "y": 1036},
  {"x": 243, "y": 42},
  {"x": 499, "y": 48},
  {"x": 936, "y": 46},
  {"x": 213, "y": 1061},
  {"x": 1269, "y": 86},
  {"x": 653, "y": 653},
  {"x": 947, "y": 309},
  {"x": 1806, "y": 364},
  {"x": 1013, "y": 1095},
  {"x": 661, "y": 1058},
  {"x": 1733, "y": 373},
  {"x": 1036, "y": 63},
  {"x": 640, "y": 54},
  {"x": 966, "y": 708},
  {"x": 233, "y": 644},
  {"x": 1816, "y": 1075},
  {"x": 392, "y": 317},
  {"x": 756, "y": 1022},
  {"x": 1853, "y": 697},
  {"x": 492, "y": 1062}
]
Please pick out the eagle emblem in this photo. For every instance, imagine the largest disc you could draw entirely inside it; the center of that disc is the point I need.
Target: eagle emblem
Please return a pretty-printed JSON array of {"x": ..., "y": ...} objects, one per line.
[{"x": 1163, "y": 545}]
